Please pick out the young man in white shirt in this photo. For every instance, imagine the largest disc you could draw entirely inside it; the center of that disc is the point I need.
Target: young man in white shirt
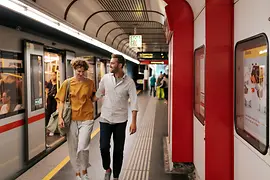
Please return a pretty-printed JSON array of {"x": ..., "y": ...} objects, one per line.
[{"x": 116, "y": 88}]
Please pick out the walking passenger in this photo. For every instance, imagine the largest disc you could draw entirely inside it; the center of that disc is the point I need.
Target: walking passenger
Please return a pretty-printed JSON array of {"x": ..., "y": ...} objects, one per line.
[
  {"x": 117, "y": 88},
  {"x": 81, "y": 95},
  {"x": 152, "y": 84}
]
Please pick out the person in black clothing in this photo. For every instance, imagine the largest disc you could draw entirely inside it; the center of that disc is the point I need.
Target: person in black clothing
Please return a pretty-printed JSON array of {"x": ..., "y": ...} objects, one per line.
[{"x": 51, "y": 104}]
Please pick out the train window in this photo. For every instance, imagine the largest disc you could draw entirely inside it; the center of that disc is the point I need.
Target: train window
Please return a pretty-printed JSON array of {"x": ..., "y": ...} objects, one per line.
[
  {"x": 252, "y": 91},
  {"x": 199, "y": 92},
  {"x": 11, "y": 84},
  {"x": 36, "y": 82}
]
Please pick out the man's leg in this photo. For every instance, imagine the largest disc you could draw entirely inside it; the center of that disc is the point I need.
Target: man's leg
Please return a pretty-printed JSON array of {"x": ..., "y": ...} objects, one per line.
[
  {"x": 119, "y": 135},
  {"x": 105, "y": 138}
]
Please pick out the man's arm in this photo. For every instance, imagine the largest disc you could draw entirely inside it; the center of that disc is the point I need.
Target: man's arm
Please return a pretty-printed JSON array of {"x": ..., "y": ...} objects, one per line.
[
  {"x": 134, "y": 107},
  {"x": 101, "y": 90}
]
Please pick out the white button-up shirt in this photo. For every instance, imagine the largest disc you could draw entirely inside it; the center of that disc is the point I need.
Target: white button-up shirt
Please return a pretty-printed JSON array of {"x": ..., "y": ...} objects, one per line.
[{"x": 115, "y": 103}]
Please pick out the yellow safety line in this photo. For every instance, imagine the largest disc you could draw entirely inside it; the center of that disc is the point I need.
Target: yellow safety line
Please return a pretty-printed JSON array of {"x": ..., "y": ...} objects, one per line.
[{"x": 65, "y": 161}]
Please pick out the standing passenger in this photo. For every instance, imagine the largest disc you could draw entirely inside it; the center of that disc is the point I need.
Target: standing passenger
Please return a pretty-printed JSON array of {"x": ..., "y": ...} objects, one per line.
[
  {"x": 117, "y": 88},
  {"x": 51, "y": 104},
  {"x": 81, "y": 94},
  {"x": 159, "y": 90}
]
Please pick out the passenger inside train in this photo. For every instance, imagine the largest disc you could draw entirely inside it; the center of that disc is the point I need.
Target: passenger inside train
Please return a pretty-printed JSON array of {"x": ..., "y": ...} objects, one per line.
[{"x": 51, "y": 104}]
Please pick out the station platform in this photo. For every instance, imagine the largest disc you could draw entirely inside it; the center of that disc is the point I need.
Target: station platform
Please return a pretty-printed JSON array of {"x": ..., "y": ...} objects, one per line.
[{"x": 143, "y": 154}]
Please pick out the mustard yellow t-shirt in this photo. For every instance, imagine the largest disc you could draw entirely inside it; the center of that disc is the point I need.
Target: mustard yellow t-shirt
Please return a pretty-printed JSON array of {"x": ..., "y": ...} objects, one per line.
[{"x": 80, "y": 98}]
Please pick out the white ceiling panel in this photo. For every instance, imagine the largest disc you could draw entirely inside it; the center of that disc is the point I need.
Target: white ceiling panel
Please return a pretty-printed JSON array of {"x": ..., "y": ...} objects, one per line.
[{"x": 197, "y": 6}]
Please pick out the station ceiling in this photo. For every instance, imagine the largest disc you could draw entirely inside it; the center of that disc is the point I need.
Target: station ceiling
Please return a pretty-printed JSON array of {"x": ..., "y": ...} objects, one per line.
[{"x": 112, "y": 21}]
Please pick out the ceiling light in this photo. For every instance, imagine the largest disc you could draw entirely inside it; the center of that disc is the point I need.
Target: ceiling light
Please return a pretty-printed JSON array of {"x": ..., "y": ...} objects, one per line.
[{"x": 32, "y": 13}]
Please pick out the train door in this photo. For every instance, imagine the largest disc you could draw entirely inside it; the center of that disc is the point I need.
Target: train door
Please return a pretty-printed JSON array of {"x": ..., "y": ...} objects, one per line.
[
  {"x": 54, "y": 73},
  {"x": 35, "y": 95},
  {"x": 69, "y": 70}
]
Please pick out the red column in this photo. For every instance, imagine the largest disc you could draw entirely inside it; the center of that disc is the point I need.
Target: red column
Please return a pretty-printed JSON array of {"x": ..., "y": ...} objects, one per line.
[
  {"x": 219, "y": 90},
  {"x": 180, "y": 19}
]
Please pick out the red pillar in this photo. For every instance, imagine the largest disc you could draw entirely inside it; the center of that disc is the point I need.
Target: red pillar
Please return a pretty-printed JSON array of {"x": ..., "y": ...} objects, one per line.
[
  {"x": 180, "y": 19},
  {"x": 219, "y": 90}
]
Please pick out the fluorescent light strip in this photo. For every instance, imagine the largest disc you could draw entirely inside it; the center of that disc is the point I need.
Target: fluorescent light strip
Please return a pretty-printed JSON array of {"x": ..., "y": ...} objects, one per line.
[{"x": 32, "y": 13}]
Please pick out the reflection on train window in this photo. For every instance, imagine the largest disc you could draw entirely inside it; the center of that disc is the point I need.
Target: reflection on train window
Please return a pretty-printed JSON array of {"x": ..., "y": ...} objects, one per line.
[
  {"x": 11, "y": 92},
  {"x": 36, "y": 82},
  {"x": 251, "y": 91},
  {"x": 11, "y": 85},
  {"x": 199, "y": 92},
  {"x": 69, "y": 70}
]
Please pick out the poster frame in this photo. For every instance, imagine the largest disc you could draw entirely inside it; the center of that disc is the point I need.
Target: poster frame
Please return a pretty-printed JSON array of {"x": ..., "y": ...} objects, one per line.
[
  {"x": 196, "y": 114},
  {"x": 245, "y": 135}
]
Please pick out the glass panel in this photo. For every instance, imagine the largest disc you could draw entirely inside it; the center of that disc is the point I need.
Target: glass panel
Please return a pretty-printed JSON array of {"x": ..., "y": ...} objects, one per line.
[
  {"x": 36, "y": 82},
  {"x": 251, "y": 91},
  {"x": 91, "y": 72},
  {"x": 199, "y": 99},
  {"x": 11, "y": 87},
  {"x": 100, "y": 74},
  {"x": 69, "y": 70},
  {"x": 51, "y": 63},
  {"x": 108, "y": 66}
]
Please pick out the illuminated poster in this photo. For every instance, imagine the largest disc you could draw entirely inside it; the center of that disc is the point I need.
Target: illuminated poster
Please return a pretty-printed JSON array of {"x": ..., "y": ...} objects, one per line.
[
  {"x": 202, "y": 80},
  {"x": 199, "y": 106},
  {"x": 255, "y": 90}
]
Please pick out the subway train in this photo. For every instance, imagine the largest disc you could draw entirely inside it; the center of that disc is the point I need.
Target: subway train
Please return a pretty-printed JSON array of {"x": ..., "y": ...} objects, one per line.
[
  {"x": 27, "y": 63},
  {"x": 251, "y": 92}
]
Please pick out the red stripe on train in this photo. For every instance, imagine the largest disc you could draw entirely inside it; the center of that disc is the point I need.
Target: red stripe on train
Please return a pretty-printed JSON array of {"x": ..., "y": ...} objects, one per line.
[
  {"x": 19, "y": 123},
  {"x": 36, "y": 118},
  {"x": 10, "y": 126}
]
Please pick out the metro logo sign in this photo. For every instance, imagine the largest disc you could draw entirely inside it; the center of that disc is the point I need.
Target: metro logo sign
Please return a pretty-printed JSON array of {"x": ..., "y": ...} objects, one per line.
[{"x": 135, "y": 41}]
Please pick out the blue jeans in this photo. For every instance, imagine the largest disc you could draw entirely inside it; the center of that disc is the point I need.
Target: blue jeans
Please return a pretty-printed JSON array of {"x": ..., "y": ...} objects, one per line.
[{"x": 119, "y": 134}]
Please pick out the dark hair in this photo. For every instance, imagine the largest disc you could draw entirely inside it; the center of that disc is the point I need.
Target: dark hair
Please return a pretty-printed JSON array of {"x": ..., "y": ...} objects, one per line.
[
  {"x": 120, "y": 59},
  {"x": 79, "y": 63}
]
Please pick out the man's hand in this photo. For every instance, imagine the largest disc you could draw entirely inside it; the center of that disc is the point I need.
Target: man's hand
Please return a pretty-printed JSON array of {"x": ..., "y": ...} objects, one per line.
[{"x": 133, "y": 128}]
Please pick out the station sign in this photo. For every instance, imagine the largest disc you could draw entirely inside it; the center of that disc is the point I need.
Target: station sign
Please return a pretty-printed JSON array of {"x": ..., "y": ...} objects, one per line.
[
  {"x": 152, "y": 55},
  {"x": 135, "y": 41},
  {"x": 147, "y": 62}
]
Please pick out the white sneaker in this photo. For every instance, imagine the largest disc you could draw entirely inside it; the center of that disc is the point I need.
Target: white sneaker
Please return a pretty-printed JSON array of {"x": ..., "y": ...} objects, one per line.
[
  {"x": 51, "y": 134},
  {"x": 85, "y": 177}
]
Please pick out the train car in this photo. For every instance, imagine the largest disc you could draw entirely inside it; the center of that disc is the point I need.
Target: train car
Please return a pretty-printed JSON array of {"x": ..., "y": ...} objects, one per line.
[{"x": 27, "y": 63}]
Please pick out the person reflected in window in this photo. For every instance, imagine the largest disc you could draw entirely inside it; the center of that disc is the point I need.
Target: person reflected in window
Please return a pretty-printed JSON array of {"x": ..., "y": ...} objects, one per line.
[
  {"x": 82, "y": 93},
  {"x": 51, "y": 104},
  {"x": 5, "y": 102}
]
